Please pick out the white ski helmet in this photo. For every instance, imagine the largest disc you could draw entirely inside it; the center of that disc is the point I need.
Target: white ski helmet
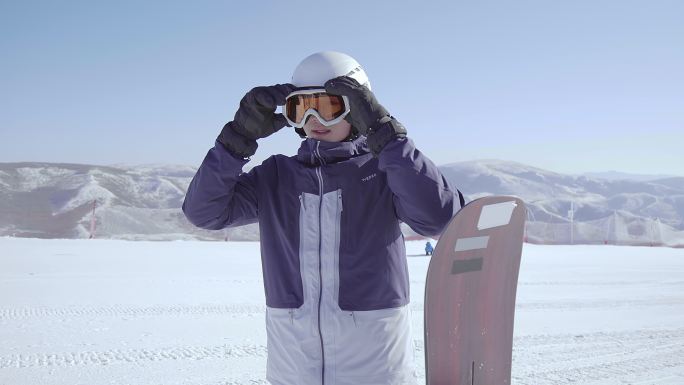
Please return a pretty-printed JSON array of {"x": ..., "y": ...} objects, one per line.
[{"x": 320, "y": 67}]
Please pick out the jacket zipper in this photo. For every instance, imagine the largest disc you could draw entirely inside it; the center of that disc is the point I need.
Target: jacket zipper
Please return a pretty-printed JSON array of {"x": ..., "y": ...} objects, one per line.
[
  {"x": 339, "y": 221},
  {"x": 319, "y": 174}
]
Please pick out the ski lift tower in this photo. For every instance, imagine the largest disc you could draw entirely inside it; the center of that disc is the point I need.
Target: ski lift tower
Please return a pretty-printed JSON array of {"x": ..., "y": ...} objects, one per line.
[
  {"x": 530, "y": 219},
  {"x": 93, "y": 221},
  {"x": 658, "y": 233},
  {"x": 571, "y": 215}
]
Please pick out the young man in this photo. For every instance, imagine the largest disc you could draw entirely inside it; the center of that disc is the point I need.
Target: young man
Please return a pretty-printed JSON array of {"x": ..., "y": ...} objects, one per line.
[{"x": 333, "y": 257}]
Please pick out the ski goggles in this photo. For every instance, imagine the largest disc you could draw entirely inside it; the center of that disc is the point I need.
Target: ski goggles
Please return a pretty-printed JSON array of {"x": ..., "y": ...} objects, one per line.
[{"x": 328, "y": 109}]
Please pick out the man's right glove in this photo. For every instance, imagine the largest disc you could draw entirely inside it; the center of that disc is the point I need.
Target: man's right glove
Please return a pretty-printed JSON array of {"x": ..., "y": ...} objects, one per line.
[{"x": 255, "y": 119}]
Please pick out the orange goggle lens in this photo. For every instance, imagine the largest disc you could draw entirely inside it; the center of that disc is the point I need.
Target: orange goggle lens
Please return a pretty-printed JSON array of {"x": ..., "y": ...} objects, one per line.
[{"x": 328, "y": 106}]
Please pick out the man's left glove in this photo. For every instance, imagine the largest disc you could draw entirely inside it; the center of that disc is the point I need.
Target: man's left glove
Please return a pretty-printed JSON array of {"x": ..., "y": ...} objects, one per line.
[
  {"x": 368, "y": 116},
  {"x": 255, "y": 119}
]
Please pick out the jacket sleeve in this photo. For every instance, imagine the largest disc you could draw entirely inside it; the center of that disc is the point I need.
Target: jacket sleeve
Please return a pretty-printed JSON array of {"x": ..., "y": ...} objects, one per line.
[
  {"x": 220, "y": 195},
  {"x": 423, "y": 198}
]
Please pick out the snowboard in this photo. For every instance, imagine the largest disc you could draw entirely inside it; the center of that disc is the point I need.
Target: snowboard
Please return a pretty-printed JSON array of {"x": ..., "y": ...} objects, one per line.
[{"x": 470, "y": 294}]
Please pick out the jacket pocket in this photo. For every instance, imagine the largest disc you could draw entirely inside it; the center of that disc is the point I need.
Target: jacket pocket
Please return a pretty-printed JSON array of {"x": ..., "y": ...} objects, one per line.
[
  {"x": 377, "y": 347},
  {"x": 291, "y": 344}
]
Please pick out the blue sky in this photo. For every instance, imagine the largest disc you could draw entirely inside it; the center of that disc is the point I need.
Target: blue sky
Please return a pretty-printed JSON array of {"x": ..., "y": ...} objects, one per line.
[{"x": 569, "y": 86}]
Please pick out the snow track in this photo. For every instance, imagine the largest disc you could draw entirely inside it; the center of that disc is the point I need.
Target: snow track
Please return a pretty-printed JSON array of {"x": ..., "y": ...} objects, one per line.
[
  {"x": 600, "y": 304},
  {"x": 594, "y": 358},
  {"x": 82, "y": 312},
  {"x": 560, "y": 359},
  {"x": 234, "y": 310},
  {"x": 242, "y": 310},
  {"x": 117, "y": 356},
  {"x": 599, "y": 358}
]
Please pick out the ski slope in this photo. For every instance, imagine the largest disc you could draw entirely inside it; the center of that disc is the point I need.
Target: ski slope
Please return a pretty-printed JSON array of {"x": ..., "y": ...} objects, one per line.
[{"x": 117, "y": 312}]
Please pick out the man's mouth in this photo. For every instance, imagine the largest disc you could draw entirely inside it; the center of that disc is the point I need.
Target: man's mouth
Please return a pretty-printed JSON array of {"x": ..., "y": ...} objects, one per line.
[{"x": 320, "y": 131}]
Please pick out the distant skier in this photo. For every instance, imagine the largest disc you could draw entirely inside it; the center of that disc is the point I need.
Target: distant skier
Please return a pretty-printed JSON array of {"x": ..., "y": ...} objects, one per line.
[
  {"x": 333, "y": 256},
  {"x": 428, "y": 248}
]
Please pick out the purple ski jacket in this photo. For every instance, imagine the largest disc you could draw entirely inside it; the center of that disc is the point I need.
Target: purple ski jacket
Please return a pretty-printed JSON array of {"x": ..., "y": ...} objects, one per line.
[{"x": 333, "y": 256}]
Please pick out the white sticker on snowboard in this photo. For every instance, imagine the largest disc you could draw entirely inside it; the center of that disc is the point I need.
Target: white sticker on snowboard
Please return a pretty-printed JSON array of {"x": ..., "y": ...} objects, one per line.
[
  {"x": 498, "y": 214},
  {"x": 473, "y": 243}
]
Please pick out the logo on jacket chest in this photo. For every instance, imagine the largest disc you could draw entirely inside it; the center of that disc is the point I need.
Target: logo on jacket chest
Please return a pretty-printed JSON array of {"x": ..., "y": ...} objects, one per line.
[{"x": 369, "y": 177}]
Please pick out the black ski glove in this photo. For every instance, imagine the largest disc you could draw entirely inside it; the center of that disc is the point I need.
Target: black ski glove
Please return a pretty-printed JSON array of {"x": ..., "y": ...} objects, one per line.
[
  {"x": 255, "y": 119},
  {"x": 368, "y": 116}
]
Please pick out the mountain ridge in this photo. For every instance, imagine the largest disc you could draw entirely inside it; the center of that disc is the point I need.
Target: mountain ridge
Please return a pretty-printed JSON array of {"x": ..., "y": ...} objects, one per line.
[{"x": 42, "y": 199}]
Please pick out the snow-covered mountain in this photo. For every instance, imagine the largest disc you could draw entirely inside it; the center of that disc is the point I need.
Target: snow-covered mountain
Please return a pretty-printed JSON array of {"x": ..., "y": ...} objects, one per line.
[
  {"x": 549, "y": 195},
  {"x": 620, "y": 210},
  {"x": 615, "y": 175},
  {"x": 52, "y": 200}
]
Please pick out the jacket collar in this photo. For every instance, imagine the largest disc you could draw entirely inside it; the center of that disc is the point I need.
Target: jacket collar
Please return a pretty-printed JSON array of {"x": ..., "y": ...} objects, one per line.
[{"x": 315, "y": 152}]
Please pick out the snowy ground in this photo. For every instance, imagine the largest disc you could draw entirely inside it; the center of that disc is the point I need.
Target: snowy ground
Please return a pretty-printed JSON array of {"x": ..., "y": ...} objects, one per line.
[{"x": 116, "y": 312}]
